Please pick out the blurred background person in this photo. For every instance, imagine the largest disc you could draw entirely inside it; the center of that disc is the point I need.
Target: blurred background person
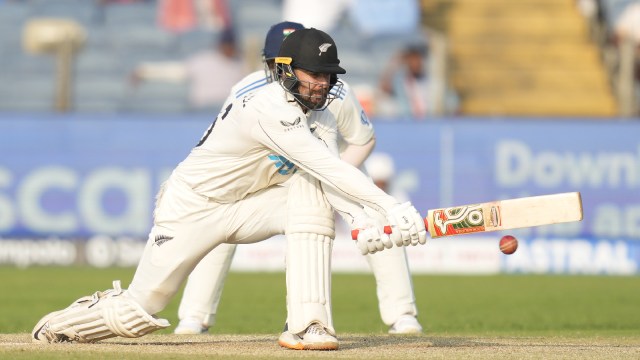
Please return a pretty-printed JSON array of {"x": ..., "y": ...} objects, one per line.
[
  {"x": 626, "y": 32},
  {"x": 185, "y": 15},
  {"x": 627, "y": 25},
  {"x": 210, "y": 72},
  {"x": 407, "y": 90}
]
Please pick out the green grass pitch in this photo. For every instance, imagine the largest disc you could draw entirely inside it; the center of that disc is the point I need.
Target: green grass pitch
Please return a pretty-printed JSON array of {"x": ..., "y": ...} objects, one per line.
[
  {"x": 595, "y": 307},
  {"x": 255, "y": 302}
]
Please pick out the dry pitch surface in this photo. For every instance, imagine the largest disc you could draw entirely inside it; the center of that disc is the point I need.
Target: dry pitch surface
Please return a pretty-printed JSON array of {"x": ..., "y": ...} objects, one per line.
[{"x": 352, "y": 346}]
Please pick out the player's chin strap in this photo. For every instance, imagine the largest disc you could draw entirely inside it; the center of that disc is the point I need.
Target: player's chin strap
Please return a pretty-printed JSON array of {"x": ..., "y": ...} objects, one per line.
[
  {"x": 103, "y": 315},
  {"x": 310, "y": 232}
]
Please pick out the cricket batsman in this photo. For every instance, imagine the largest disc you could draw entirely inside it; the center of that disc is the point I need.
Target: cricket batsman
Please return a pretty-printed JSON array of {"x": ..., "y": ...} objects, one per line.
[
  {"x": 230, "y": 189},
  {"x": 356, "y": 141}
]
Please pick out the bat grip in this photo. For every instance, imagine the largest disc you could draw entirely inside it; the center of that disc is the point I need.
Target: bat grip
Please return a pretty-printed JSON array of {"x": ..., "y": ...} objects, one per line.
[
  {"x": 387, "y": 230},
  {"x": 355, "y": 232}
]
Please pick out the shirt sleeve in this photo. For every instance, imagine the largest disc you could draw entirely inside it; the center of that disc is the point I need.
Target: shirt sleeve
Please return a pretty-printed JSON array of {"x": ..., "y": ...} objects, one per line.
[
  {"x": 353, "y": 124},
  {"x": 292, "y": 139}
]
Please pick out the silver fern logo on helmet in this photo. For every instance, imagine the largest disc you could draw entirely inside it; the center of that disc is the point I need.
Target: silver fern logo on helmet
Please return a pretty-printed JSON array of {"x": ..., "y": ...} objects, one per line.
[{"x": 323, "y": 48}]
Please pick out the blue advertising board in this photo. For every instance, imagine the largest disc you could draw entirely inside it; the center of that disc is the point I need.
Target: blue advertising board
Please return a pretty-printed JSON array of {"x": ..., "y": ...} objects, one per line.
[
  {"x": 94, "y": 179},
  {"x": 79, "y": 176},
  {"x": 83, "y": 175},
  {"x": 458, "y": 162}
]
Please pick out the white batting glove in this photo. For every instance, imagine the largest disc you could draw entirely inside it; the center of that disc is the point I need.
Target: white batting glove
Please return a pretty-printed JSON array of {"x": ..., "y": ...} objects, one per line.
[
  {"x": 407, "y": 226},
  {"x": 370, "y": 237}
]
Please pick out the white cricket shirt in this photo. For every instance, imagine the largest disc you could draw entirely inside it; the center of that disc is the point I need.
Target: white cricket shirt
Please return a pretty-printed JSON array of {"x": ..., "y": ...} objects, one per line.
[{"x": 257, "y": 141}]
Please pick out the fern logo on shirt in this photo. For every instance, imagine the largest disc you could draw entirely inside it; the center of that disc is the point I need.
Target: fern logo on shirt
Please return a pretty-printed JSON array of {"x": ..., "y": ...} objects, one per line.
[{"x": 161, "y": 239}]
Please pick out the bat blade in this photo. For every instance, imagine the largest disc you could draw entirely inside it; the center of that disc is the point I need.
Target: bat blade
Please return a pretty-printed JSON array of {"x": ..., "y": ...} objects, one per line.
[{"x": 505, "y": 214}]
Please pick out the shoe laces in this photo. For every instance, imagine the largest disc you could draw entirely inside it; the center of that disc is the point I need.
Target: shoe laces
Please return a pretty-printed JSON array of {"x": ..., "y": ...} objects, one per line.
[
  {"x": 53, "y": 337},
  {"x": 316, "y": 329}
]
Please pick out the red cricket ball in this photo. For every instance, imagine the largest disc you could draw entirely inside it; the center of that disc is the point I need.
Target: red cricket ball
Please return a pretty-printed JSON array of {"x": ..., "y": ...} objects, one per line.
[{"x": 508, "y": 244}]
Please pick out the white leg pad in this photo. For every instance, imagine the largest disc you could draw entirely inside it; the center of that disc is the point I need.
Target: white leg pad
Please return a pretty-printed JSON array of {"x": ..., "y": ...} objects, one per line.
[
  {"x": 100, "y": 316},
  {"x": 310, "y": 232},
  {"x": 309, "y": 281}
]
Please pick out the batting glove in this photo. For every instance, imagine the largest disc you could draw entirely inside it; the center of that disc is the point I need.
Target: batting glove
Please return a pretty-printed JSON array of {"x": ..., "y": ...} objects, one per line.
[
  {"x": 370, "y": 238},
  {"x": 407, "y": 226}
]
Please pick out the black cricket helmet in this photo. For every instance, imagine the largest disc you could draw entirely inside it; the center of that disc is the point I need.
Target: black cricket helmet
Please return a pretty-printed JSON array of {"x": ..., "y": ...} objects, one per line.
[{"x": 312, "y": 50}]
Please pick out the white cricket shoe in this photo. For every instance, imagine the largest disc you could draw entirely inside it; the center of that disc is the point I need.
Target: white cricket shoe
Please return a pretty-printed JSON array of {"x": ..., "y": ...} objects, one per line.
[
  {"x": 41, "y": 333},
  {"x": 191, "y": 326},
  {"x": 315, "y": 337},
  {"x": 406, "y": 324}
]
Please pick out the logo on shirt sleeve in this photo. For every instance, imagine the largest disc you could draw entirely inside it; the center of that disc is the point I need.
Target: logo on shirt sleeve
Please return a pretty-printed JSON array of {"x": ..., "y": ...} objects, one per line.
[
  {"x": 364, "y": 119},
  {"x": 285, "y": 167},
  {"x": 293, "y": 123}
]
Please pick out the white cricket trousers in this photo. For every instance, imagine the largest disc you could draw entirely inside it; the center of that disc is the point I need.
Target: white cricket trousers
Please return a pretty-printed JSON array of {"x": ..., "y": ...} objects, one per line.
[
  {"x": 187, "y": 226},
  {"x": 394, "y": 286}
]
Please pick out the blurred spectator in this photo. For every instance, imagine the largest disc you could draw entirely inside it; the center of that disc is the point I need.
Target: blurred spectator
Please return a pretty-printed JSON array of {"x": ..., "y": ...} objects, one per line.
[
  {"x": 627, "y": 29},
  {"x": 210, "y": 73},
  {"x": 594, "y": 12},
  {"x": 588, "y": 8},
  {"x": 177, "y": 15},
  {"x": 186, "y": 15},
  {"x": 213, "y": 14},
  {"x": 407, "y": 90},
  {"x": 107, "y": 2},
  {"x": 628, "y": 23}
]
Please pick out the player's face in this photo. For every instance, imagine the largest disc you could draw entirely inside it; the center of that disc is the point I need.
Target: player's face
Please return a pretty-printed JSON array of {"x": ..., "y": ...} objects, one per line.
[{"x": 313, "y": 87}]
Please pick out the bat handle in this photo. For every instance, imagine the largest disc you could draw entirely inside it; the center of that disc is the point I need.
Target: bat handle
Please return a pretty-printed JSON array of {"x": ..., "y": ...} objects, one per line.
[
  {"x": 354, "y": 232},
  {"x": 387, "y": 230}
]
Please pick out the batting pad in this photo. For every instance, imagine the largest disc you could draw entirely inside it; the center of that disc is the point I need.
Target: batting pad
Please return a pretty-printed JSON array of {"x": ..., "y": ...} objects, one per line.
[
  {"x": 309, "y": 281},
  {"x": 310, "y": 232},
  {"x": 100, "y": 316}
]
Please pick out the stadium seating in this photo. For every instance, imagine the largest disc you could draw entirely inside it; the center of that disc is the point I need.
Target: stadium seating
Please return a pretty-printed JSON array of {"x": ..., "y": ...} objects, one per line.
[
  {"x": 120, "y": 36},
  {"x": 527, "y": 57},
  {"x": 524, "y": 57}
]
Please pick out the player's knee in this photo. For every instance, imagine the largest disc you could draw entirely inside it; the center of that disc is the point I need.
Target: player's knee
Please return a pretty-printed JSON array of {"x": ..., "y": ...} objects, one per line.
[{"x": 314, "y": 220}]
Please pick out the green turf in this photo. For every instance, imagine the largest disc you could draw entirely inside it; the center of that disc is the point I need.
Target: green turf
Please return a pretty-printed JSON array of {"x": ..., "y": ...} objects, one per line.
[{"x": 518, "y": 305}]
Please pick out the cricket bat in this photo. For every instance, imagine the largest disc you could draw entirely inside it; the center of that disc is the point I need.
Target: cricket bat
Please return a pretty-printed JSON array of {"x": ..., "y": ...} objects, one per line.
[
  {"x": 502, "y": 215},
  {"x": 505, "y": 214}
]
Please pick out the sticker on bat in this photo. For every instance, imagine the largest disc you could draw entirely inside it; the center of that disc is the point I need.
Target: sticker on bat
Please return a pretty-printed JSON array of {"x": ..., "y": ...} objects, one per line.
[
  {"x": 458, "y": 220},
  {"x": 496, "y": 220}
]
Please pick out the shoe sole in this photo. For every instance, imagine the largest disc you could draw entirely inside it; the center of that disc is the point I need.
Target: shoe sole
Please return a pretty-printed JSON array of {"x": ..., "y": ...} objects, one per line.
[
  {"x": 406, "y": 332},
  {"x": 315, "y": 346}
]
